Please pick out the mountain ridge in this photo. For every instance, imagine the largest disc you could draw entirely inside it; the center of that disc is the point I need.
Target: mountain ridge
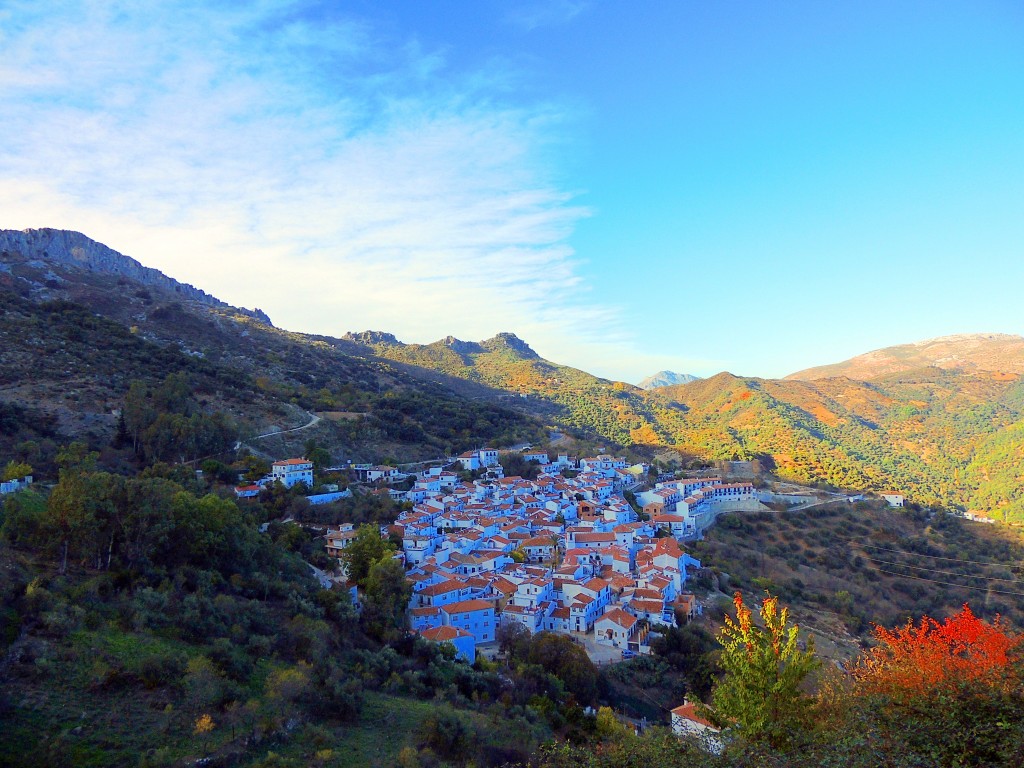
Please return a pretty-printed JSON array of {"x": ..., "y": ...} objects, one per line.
[
  {"x": 994, "y": 353},
  {"x": 77, "y": 251}
]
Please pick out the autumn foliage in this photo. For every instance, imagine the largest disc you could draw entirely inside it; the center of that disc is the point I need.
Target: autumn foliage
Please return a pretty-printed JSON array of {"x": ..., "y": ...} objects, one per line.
[
  {"x": 931, "y": 656},
  {"x": 765, "y": 670}
]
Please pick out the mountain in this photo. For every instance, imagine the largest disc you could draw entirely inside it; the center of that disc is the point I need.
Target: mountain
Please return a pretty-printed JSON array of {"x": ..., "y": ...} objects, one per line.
[
  {"x": 572, "y": 398},
  {"x": 666, "y": 379},
  {"x": 80, "y": 323},
  {"x": 944, "y": 436},
  {"x": 31, "y": 249},
  {"x": 998, "y": 354},
  {"x": 941, "y": 435}
]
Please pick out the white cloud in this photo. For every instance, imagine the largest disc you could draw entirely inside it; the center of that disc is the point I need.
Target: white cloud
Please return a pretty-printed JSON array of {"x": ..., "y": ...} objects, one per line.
[
  {"x": 297, "y": 163},
  {"x": 544, "y": 13}
]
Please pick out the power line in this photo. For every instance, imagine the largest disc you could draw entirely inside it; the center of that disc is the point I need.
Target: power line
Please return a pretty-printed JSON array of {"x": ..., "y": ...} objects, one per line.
[
  {"x": 933, "y": 557},
  {"x": 952, "y": 584},
  {"x": 946, "y": 573}
]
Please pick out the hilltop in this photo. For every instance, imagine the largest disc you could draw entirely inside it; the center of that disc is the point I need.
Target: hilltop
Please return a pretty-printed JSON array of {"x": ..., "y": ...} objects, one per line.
[
  {"x": 942, "y": 435},
  {"x": 999, "y": 354},
  {"x": 666, "y": 379},
  {"x": 925, "y": 433},
  {"x": 612, "y": 410}
]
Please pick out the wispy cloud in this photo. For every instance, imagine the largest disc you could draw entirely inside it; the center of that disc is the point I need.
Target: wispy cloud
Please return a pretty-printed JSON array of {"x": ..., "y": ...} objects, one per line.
[
  {"x": 281, "y": 157},
  {"x": 532, "y": 14}
]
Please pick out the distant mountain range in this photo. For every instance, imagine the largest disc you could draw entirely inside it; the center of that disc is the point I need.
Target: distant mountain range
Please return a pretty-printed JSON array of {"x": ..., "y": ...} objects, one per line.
[
  {"x": 666, "y": 379},
  {"x": 942, "y": 420}
]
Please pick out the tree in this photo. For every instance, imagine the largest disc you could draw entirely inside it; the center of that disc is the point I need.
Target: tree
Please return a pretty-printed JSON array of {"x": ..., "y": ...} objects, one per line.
[
  {"x": 320, "y": 456},
  {"x": 15, "y": 470},
  {"x": 68, "y": 512},
  {"x": 689, "y": 650},
  {"x": 918, "y": 659},
  {"x": 363, "y": 551},
  {"x": 513, "y": 639},
  {"x": 764, "y": 670},
  {"x": 567, "y": 661},
  {"x": 386, "y": 597},
  {"x": 22, "y": 519},
  {"x": 609, "y": 727}
]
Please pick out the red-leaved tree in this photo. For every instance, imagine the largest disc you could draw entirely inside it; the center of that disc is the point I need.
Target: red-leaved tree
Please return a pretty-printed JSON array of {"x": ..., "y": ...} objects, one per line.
[{"x": 921, "y": 658}]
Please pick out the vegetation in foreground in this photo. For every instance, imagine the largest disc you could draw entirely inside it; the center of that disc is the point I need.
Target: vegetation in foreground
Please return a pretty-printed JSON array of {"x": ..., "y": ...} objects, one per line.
[
  {"x": 931, "y": 693},
  {"x": 146, "y": 621}
]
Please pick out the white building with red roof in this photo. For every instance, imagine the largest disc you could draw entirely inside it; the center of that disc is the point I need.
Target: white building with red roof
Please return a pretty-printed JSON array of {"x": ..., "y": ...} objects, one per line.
[{"x": 687, "y": 721}]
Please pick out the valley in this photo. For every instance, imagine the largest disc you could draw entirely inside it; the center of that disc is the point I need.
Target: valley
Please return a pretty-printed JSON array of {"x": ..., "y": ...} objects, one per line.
[{"x": 239, "y": 543}]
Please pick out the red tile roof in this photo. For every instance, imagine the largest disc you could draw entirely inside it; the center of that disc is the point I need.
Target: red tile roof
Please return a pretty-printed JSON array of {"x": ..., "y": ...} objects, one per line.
[
  {"x": 467, "y": 606},
  {"x": 444, "y": 634}
]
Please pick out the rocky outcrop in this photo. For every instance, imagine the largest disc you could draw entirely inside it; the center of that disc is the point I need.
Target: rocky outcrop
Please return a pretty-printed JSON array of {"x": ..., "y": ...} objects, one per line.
[
  {"x": 373, "y": 338},
  {"x": 462, "y": 347},
  {"x": 510, "y": 341},
  {"x": 72, "y": 250}
]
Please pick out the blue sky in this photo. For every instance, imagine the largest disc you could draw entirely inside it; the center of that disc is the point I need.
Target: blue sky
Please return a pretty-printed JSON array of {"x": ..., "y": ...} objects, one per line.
[{"x": 757, "y": 187}]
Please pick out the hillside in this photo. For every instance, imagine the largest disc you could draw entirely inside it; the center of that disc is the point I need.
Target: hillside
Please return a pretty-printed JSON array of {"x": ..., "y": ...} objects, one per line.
[
  {"x": 919, "y": 430},
  {"x": 921, "y": 433},
  {"x": 843, "y": 567},
  {"x": 79, "y": 323},
  {"x": 999, "y": 354},
  {"x": 613, "y": 410},
  {"x": 945, "y": 428}
]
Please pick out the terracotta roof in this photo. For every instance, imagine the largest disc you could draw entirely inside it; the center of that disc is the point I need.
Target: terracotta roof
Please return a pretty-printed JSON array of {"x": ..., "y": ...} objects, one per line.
[
  {"x": 688, "y": 711},
  {"x": 667, "y": 546},
  {"x": 594, "y": 537},
  {"x": 444, "y": 634},
  {"x": 443, "y": 588},
  {"x": 467, "y": 606},
  {"x": 620, "y": 617},
  {"x": 291, "y": 462}
]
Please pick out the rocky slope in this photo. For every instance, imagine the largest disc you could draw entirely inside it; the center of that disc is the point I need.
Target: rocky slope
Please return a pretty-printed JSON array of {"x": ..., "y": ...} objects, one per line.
[
  {"x": 80, "y": 322},
  {"x": 25, "y": 253}
]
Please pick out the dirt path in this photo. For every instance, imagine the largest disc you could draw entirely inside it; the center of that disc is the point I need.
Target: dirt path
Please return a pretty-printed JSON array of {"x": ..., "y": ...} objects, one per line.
[{"x": 313, "y": 421}]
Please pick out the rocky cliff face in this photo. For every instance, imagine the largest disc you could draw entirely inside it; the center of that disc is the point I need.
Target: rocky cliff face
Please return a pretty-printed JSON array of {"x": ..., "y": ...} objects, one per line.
[
  {"x": 373, "y": 338},
  {"x": 462, "y": 347},
  {"x": 64, "y": 249},
  {"x": 510, "y": 341}
]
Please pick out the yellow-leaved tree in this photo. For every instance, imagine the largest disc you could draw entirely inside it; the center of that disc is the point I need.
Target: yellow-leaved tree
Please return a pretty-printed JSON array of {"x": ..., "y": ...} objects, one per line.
[{"x": 761, "y": 693}]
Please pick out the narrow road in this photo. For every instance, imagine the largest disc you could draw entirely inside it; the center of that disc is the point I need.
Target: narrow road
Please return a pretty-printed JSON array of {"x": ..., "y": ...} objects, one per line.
[
  {"x": 313, "y": 420},
  {"x": 801, "y": 507}
]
